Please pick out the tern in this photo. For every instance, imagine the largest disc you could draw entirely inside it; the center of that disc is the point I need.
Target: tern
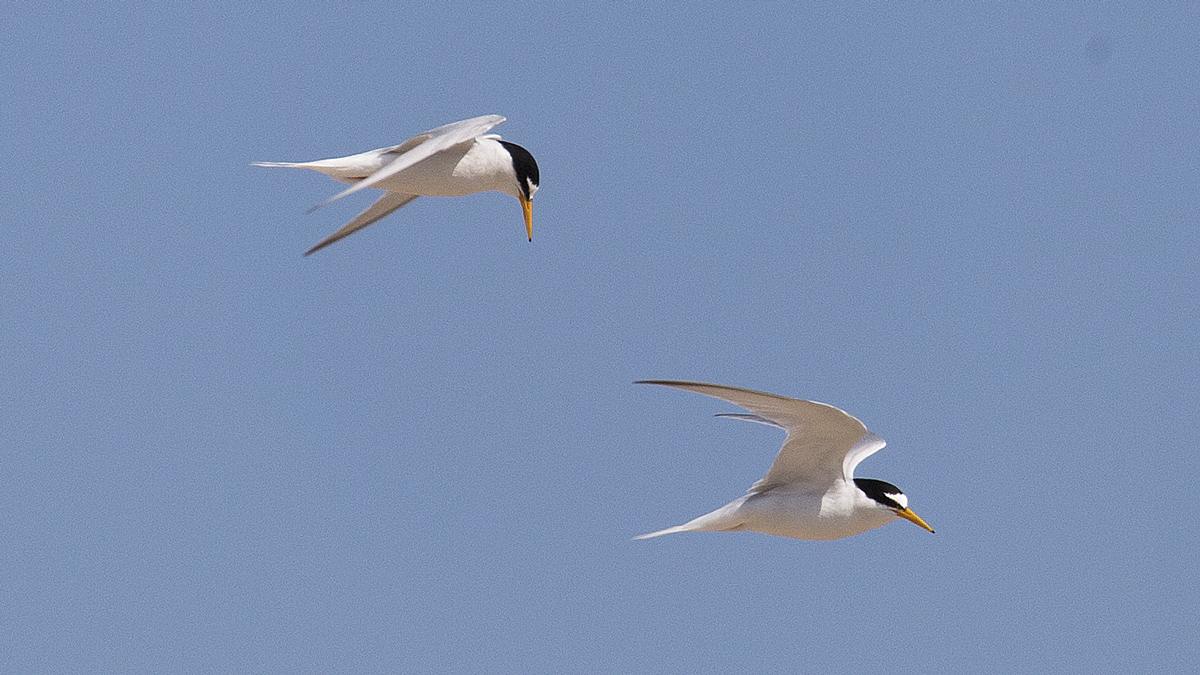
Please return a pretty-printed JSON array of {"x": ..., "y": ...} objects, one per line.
[
  {"x": 455, "y": 159},
  {"x": 810, "y": 492}
]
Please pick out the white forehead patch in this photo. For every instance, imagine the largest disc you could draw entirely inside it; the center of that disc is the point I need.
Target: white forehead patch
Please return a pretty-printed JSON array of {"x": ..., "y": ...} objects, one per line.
[
  {"x": 533, "y": 187},
  {"x": 900, "y": 499}
]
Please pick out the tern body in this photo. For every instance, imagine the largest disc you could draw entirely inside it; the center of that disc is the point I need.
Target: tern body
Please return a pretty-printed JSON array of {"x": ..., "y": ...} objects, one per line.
[
  {"x": 810, "y": 492},
  {"x": 450, "y": 161},
  {"x": 842, "y": 511}
]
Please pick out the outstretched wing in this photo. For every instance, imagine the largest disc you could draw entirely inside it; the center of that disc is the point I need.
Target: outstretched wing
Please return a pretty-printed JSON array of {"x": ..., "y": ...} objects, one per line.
[
  {"x": 390, "y": 201},
  {"x": 823, "y": 444},
  {"x": 420, "y": 147}
]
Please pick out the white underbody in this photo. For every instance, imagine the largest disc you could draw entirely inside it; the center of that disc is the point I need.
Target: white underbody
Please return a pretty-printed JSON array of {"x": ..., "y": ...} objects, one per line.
[
  {"x": 794, "y": 511},
  {"x": 479, "y": 165}
]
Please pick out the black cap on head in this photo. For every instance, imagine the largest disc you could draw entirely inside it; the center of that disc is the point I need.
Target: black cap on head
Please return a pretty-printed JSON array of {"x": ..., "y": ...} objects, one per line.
[
  {"x": 882, "y": 491},
  {"x": 525, "y": 167}
]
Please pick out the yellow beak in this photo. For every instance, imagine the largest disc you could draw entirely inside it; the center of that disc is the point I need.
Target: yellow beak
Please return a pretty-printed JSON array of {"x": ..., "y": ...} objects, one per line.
[
  {"x": 527, "y": 207},
  {"x": 913, "y": 518}
]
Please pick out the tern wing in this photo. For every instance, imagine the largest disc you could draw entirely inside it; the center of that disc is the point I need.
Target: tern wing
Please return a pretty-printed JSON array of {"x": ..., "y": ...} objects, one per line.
[
  {"x": 390, "y": 201},
  {"x": 350, "y": 168},
  {"x": 823, "y": 444},
  {"x": 422, "y": 146}
]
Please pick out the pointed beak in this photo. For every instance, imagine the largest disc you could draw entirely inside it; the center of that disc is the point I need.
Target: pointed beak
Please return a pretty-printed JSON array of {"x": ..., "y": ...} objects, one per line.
[
  {"x": 527, "y": 208},
  {"x": 913, "y": 518}
]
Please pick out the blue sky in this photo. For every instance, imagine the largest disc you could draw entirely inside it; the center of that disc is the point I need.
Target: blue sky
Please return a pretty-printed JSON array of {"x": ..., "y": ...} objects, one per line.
[{"x": 974, "y": 228}]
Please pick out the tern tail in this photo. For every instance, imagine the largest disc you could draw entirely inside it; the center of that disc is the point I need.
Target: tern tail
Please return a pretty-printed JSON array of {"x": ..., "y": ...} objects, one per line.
[
  {"x": 659, "y": 533},
  {"x": 724, "y": 519},
  {"x": 286, "y": 165}
]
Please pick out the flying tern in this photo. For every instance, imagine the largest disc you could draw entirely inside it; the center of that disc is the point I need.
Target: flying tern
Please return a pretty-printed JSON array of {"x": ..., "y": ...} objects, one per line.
[
  {"x": 456, "y": 159},
  {"x": 810, "y": 492}
]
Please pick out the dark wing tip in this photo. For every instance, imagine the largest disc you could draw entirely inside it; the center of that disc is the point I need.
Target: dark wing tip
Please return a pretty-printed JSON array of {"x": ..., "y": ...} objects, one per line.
[{"x": 320, "y": 245}]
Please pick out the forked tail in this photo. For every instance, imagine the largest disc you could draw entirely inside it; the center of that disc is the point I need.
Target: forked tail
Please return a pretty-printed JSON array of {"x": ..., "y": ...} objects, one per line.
[
  {"x": 285, "y": 165},
  {"x": 724, "y": 519},
  {"x": 659, "y": 533}
]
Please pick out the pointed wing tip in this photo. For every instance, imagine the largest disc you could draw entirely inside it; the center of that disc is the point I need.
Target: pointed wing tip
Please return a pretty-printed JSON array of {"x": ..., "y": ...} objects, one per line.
[
  {"x": 345, "y": 193},
  {"x": 683, "y": 384},
  {"x": 332, "y": 239},
  {"x": 322, "y": 204},
  {"x": 663, "y": 383}
]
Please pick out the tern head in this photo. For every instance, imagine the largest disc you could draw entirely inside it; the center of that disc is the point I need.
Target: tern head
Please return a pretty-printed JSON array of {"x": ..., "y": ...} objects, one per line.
[
  {"x": 525, "y": 185},
  {"x": 888, "y": 496}
]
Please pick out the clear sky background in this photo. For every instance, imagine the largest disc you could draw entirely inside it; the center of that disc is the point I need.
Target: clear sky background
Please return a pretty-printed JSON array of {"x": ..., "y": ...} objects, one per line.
[{"x": 420, "y": 449}]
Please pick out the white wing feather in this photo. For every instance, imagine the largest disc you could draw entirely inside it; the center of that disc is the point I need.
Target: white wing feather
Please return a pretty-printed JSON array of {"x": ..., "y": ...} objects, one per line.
[
  {"x": 430, "y": 143},
  {"x": 390, "y": 201},
  {"x": 823, "y": 445}
]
